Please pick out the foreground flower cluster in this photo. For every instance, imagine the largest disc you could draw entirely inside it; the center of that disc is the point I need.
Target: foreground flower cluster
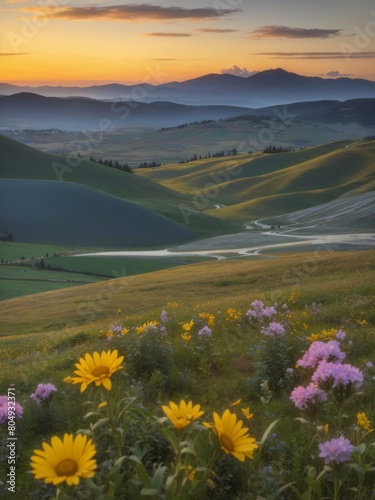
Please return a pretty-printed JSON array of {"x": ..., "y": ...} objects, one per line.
[{"x": 135, "y": 444}]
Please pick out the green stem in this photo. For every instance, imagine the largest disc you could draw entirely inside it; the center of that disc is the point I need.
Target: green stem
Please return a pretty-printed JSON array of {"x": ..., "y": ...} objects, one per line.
[
  {"x": 336, "y": 487},
  {"x": 112, "y": 422}
]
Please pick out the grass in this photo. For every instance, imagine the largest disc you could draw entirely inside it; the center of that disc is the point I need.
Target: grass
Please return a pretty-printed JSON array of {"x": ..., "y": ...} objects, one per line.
[
  {"x": 66, "y": 212},
  {"x": 44, "y": 334},
  {"x": 21, "y": 278},
  {"x": 257, "y": 186},
  {"x": 209, "y": 282},
  {"x": 25, "y": 163},
  {"x": 174, "y": 145}
]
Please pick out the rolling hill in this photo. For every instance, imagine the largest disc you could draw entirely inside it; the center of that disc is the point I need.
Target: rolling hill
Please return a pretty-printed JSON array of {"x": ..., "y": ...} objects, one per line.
[
  {"x": 28, "y": 110},
  {"x": 64, "y": 212},
  {"x": 258, "y": 186},
  {"x": 18, "y": 161}
]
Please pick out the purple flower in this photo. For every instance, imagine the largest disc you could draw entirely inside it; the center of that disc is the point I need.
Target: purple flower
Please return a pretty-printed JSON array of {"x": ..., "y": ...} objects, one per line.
[
  {"x": 340, "y": 335},
  {"x": 117, "y": 328},
  {"x": 268, "y": 312},
  {"x": 164, "y": 316},
  {"x": 319, "y": 351},
  {"x": 258, "y": 310},
  {"x": 273, "y": 329},
  {"x": 334, "y": 374},
  {"x": 369, "y": 364},
  {"x": 205, "y": 332},
  {"x": 5, "y": 407},
  {"x": 43, "y": 392},
  {"x": 305, "y": 397},
  {"x": 163, "y": 331},
  {"x": 336, "y": 450}
]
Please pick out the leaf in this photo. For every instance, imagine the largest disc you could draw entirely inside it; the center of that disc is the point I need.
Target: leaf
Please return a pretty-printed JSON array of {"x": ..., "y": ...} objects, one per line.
[
  {"x": 147, "y": 492},
  {"x": 99, "y": 423},
  {"x": 302, "y": 420},
  {"x": 187, "y": 449},
  {"x": 91, "y": 414},
  {"x": 158, "y": 477},
  {"x": 360, "y": 449},
  {"x": 267, "y": 432}
]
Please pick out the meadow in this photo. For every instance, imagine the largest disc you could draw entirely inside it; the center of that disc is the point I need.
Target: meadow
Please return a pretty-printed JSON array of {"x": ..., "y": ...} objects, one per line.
[
  {"x": 239, "y": 338},
  {"x": 21, "y": 273},
  {"x": 136, "y": 145}
]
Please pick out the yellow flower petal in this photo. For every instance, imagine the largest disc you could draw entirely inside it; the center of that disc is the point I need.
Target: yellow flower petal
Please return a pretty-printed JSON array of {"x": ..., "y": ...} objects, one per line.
[{"x": 65, "y": 460}]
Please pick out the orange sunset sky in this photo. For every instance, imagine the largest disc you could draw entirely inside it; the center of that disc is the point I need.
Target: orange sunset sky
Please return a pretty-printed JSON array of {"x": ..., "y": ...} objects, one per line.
[{"x": 75, "y": 42}]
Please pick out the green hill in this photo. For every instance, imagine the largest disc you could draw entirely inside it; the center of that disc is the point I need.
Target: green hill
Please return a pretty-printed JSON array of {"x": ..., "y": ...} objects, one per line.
[
  {"x": 18, "y": 161},
  {"x": 271, "y": 184},
  {"x": 64, "y": 212}
]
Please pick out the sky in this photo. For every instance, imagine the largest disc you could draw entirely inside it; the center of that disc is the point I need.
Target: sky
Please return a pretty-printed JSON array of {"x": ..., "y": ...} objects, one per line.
[{"x": 76, "y": 42}]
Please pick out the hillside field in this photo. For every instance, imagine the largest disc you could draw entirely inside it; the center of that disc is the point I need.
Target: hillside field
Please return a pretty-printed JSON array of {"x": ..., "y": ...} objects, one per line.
[{"x": 325, "y": 292}]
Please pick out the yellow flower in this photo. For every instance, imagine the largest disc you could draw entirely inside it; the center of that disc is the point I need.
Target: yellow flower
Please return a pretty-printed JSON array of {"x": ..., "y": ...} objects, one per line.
[
  {"x": 236, "y": 402},
  {"x": 97, "y": 368},
  {"x": 313, "y": 337},
  {"x": 125, "y": 330},
  {"x": 233, "y": 314},
  {"x": 65, "y": 460},
  {"x": 143, "y": 328},
  {"x": 234, "y": 439},
  {"x": 190, "y": 472},
  {"x": 210, "y": 318},
  {"x": 68, "y": 379},
  {"x": 326, "y": 428},
  {"x": 118, "y": 311},
  {"x": 246, "y": 412},
  {"x": 172, "y": 304},
  {"x": 188, "y": 326},
  {"x": 110, "y": 334},
  {"x": 186, "y": 337},
  {"x": 181, "y": 416},
  {"x": 363, "y": 421},
  {"x": 102, "y": 405},
  {"x": 362, "y": 322}
]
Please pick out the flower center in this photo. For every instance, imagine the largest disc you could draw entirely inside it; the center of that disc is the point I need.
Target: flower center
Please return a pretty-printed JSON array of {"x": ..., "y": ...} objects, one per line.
[
  {"x": 100, "y": 370},
  {"x": 67, "y": 467},
  {"x": 227, "y": 442}
]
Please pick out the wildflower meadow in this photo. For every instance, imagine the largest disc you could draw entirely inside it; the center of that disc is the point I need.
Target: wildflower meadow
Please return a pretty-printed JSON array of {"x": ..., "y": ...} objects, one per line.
[{"x": 257, "y": 400}]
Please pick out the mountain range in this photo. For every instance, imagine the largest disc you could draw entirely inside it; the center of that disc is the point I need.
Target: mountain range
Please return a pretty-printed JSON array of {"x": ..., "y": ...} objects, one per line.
[
  {"x": 32, "y": 111},
  {"x": 266, "y": 88}
]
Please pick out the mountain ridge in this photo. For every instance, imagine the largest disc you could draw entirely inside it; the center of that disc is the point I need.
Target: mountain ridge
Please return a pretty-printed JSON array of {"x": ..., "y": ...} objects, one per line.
[{"x": 256, "y": 90}]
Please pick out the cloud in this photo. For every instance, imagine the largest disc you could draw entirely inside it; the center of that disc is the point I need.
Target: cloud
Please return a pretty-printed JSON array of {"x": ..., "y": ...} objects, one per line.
[
  {"x": 132, "y": 12},
  {"x": 213, "y": 30},
  {"x": 337, "y": 74},
  {"x": 167, "y": 34},
  {"x": 286, "y": 32},
  {"x": 235, "y": 70},
  {"x": 14, "y": 53},
  {"x": 317, "y": 55}
]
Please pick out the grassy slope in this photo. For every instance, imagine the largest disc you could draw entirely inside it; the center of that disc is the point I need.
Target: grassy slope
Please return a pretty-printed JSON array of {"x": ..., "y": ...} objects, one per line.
[
  {"x": 64, "y": 212},
  {"x": 22, "y": 162},
  {"x": 268, "y": 185},
  {"x": 214, "y": 283}
]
